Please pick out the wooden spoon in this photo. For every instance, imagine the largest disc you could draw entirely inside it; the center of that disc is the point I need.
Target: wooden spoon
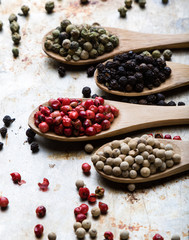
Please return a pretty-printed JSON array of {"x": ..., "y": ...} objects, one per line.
[
  {"x": 179, "y": 78},
  {"x": 130, "y": 40},
  {"x": 180, "y": 147},
  {"x": 131, "y": 117}
]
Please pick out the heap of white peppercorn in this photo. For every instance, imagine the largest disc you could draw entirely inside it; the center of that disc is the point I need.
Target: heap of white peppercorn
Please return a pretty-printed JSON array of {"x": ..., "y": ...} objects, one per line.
[{"x": 131, "y": 158}]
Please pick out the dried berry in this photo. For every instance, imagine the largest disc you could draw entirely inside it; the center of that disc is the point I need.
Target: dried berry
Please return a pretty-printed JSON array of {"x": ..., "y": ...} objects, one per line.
[
  {"x": 1, "y": 25},
  {"x": 16, "y": 177},
  {"x": 103, "y": 207},
  {"x": 158, "y": 135},
  {"x": 52, "y": 236},
  {"x": 181, "y": 103},
  {"x": 38, "y": 230},
  {"x": 8, "y": 120},
  {"x": 25, "y": 9},
  {"x": 40, "y": 211},
  {"x": 49, "y": 6},
  {"x": 86, "y": 167},
  {"x": 90, "y": 71},
  {"x": 80, "y": 217},
  {"x": 157, "y": 237},
  {"x": 61, "y": 71},
  {"x": 84, "y": 208},
  {"x": 4, "y": 202},
  {"x": 177, "y": 138},
  {"x": 99, "y": 192},
  {"x": 109, "y": 235},
  {"x": 30, "y": 133},
  {"x": 1, "y": 146},
  {"x": 34, "y": 147},
  {"x": 84, "y": 193},
  {"x": 15, "y": 52},
  {"x": 171, "y": 103},
  {"x": 44, "y": 185},
  {"x": 3, "y": 131},
  {"x": 92, "y": 198},
  {"x": 86, "y": 91}
]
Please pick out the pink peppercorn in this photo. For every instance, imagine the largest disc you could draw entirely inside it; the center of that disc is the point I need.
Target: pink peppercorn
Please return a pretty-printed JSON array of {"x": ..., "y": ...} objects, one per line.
[
  {"x": 109, "y": 235},
  {"x": 177, "y": 138},
  {"x": 4, "y": 202},
  {"x": 84, "y": 208},
  {"x": 80, "y": 217},
  {"x": 103, "y": 207},
  {"x": 86, "y": 167},
  {"x": 167, "y": 136},
  {"x": 44, "y": 185},
  {"x": 92, "y": 198},
  {"x": 84, "y": 193},
  {"x": 158, "y": 237},
  {"x": 40, "y": 211},
  {"x": 38, "y": 230},
  {"x": 16, "y": 177},
  {"x": 43, "y": 127}
]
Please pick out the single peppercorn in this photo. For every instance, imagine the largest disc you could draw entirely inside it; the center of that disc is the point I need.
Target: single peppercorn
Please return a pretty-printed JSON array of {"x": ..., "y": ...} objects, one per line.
[
  {"x": 171, "y": 103},
  {"x": 128, "y": 3},
  {"x": 34, "y": 147},
  {"x": 15, "y": 52},
  {"x": 142, "y": 3},
  {"x": 52, "y": 236},
  {"x": 30, "y": 140},
  {"x": 14, "y": 27},
  {"x": 1, "y": 25},
  {"x": 165, "y": 1},
  {"x": 181, "y": 103},
  {"x": 84, "y": 1},
  {"x": 86, "y": 91},
  {"x": 25, "y": 9},
  {"x": 1, "y": 146},
  {"x": 122, "y": 11},
  {"x": 12, "y": 18},
  {"x": 94, "y": 95},
  {"x": 167, "y": 54},
  {"x": 8, "y": 120},
  {"x": 49, "y": 6},
  {"x": 61, "y": 71},
  {"x": 16, "y": 38},
  {"x": 3, "y": 131},
  {"x": 30, "y": 133},
  {"x": 156, "y": 54},
  {"x": 90, "y": 71}
]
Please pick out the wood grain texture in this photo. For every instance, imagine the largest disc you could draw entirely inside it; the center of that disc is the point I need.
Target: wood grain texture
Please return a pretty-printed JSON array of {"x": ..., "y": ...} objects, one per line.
[
  {"x": 132, "y": 117},
  {"x": 130, "y": 40},
  {"x": 179, "y": 78},
  {"x": 180, "y": 147}
]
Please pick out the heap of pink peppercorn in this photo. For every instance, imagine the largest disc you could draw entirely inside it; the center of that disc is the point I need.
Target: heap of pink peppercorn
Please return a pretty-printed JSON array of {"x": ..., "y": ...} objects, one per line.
[{"x": 75, "y": 117}]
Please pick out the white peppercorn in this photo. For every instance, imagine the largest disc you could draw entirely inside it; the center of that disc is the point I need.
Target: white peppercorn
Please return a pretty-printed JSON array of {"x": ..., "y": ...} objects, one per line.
[
  {"x": 168, "y": 147},
  {"x": 95, "y": 211},
  {"x": 117, "y": 161},
  {"x": 139, "y": 159},
  {"x": 141, "y": 147},
  {"x": 145, "y": 136},
  {"x": 133, "y": 153},
  {"x": 163, "y": 167},
  {"x": 157, "y": 144},
  {"x": 80, "y": 233},
  {"x": 169, "y": 163},
  {"x": 151, "y": 158},
  {"x": 116, "y": 152},
  {"x": 99, "y": 165},
  {"x": 95, "y": 158},
  {"x": 115, "y": 144},
  {"x": 93, "y": 233},
  {"x": 145, "y": 172},
  {"x": 150, "y": 141},
  {"x": 124, "y": 235},
  {"x": 135, "y": 166},
  {"x": 133, "y": 174},
  {"x": 124, "y": 166},
  {"x": 145, "y": 154},
  {"x": 52, "y": 236},
  {"x": 162, "y": 146},
  {"x": 158, "y": 162},
  {"x": 89, "y": 148},
  {"x": 149, "y": 149},
  {"x": 86, "y": 224},
  {"x": 127, "y": 139},
  {"x": 125, "y": 149},
  {"x": 107, "y": 169},
  {"x": 168, "y": 154},
  {"x": 79, "y": 183},
  {"x": 122, "y": 156},
  {"x": 77, "y": 225},
  {"x": 130, "y": 160},
  {"x": 142, "y": 140},
  {"x": 155, "y": 151},
  {"x": 160, "y": 153},
  {"x": 116, "y": 171},
  {"x": 132, "y": 144},
  {"x": 175, "y": 237},
  {"x": 146, "y": 163},
  {"x": 152, "y": 169},
  {"x": 125, "y": 174},
  {"x": 176, "y": 158},
  {"x": 110, "y": 161},
  {"x": 107, "y": 151}
]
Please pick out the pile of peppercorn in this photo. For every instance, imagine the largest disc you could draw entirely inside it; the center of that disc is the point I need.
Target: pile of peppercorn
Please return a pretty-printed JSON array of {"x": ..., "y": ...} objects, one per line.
[{"x": 130, "y": 72}]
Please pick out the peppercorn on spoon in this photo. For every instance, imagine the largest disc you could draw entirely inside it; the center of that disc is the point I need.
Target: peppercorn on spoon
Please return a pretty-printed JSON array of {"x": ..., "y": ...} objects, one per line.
[
  {"x": 180, "y": 147},
  {"x": 129, "y": 40},
  {"x": 178, "y": 78},
  {"x": 131, "y": 117}
]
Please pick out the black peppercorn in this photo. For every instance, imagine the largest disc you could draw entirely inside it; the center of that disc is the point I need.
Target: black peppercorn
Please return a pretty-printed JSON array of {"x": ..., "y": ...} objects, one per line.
[
  {"x": 121, "y": 71},
  {"x": 123, "y": 81},
  {"x": 139, "y": 87},
  {"x": 8, "y": 120},
  {"x": 171, "y": 103},
  {"x": 30, "y": 140},
  {"x": 142, "y": 101},
  {"x": 181, "y": 103},
  {"x": 128, "y": 88},
  {"x": 61, "y": 71},
  {"x": 94, "y": 95},
  {"x": 167, "y": 71},
  {"x": 114, "y": 84},
  {"x": 132, "y": 80},
  {"x": 143, "y": 67},
  {"x": 161, "y": 103},
  {"x": 100, "y": 66},
  {"x": 34, "y": 147},
  {"x": 151, "y": 98},
  {"x": 30, "y": 133},
  {"x": 125, "y": 100},
  {"x": 1, "y": 146},
  {"x": 3, "y": 131},
  {"x": 160, "y": 96},
  {"x": 90, "y": 71},
  {"x": 133, "y": 101},
  {"x": 156, "y": 83},
  {"x": 63, "y": 36},
  {"x": 86, "y": 91}
]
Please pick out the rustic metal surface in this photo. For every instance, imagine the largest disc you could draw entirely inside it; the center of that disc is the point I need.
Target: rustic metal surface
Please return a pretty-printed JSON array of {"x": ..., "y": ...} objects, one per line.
[{"x": 32, "y": 79}]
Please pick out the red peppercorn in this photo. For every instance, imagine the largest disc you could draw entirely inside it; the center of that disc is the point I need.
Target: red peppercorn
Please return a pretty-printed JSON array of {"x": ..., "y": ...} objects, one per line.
[
  {"x": 67, "y": 122},
  {"x": 100, "y": 99},
  {"x": 107, "y": 108},
  {"x": 55, "y": 104},
  {"x": 66, "y": 108},
  {"x": 49, "y": 120},
  {"x": 177, "y": 138},
  {"x": 93, "y": 108},
  {"x": 84, "y": 208},
  {"x": 97, "y": 127},
  {"x": 90, "y": 131},
  {"x": 90, "y": 114},
  {"x": 73, "y": 115},
  {"x": 38, "y": 230},
  {"x": 92, "y": 198},
  {"x": 65, "y": 101},
  {"x": 109, "y": 235},
  {"x": 87, "y": 123},
  {"x": 55, "y": 114},
  {"x": 115, "y": 111},
  {"x": 99, "y": 117},
  {"x": 73, "y": 104},
  {"x": 86, "y": 167},
  {"x": 43, "y": 127},
  {"x": 80, "y": 217},
  {"x": 105, "y": 124},
  {"x": 158, "y": 135},
  {"x": 150, "y": 134},
  {"x": 101, "y": 109},
  {"x": 97, "y": 102},
  {"x": 44, "y": 185},
  {"x": 57, "y": 120},
  {"x": 4, "y": 202},
  {"x": 67, "y": 132},
  {"x": 79, "y": 108},
  {"x": 77, "y": 210},
  {"x": 81, "y": 131},
  {"x": 40, "y": 211},
  {"x": 103, "y": 207},
  {"x": 76, "y": 132},
  {"x": 158, "y": 237},
  {"x": 167, "y": 136},
  {"x": 16, "y": 177},
  {"x": 109, "y": 117},
  {"x": 45, "y": 111},
  {"x": 84, "y": 193},
  {"x": 59, "y": 129},
  {"x": 88, "y": 103}
]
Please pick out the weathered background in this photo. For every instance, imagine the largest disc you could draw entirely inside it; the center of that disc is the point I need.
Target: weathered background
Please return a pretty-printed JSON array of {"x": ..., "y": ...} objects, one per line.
[{"x": 32, "y": 79}]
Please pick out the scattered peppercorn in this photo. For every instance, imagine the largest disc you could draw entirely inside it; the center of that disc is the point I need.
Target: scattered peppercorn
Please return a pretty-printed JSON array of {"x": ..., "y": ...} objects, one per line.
[
  {"x": 90, "y": 71},
  {"x": 84, "y": 1},
  {"x": 142, "y": 3},
  {"x": 165, "y": 1},
  {"x": 61, "y": 71},
  {"x": 94, "y": 95},
  {"x": 40, "y": 211},
  {"x": 30, "y": 133},
  {"x": 181, "y": 103},
  {"x": 128, "y": 3},
  {"x": 38, "y": 230},
  {"x": 52, "y": 236},
  {"x": 1, "y": 25},
  {"x": 122, "y": 11},
  {"x": 171, "y": 103},
  {"x": 8, "y": 120},
  {"x": 3, "y": 131},
  {"x": 12, "y": 18},
  {"x": 156, "y": 54},
  {"x": 4, "y": 202},
  {"x": 25, "y": 9},
  {"x": 99, "y": 192},
  {"x": 158, "y": 135},
  {"x": 16, "y": 38},
  {"x": 14, "y": 27},
  {"x": 86, "y": 91},
  {"x": 34, "y": 147},
  {"x": 1, "y": 146},
  {"x": 167, "y": 54},
  {"x": 49, "y": 6},
  {"x": 89, "y": 148},
  {"x": 15, "y": 52}
]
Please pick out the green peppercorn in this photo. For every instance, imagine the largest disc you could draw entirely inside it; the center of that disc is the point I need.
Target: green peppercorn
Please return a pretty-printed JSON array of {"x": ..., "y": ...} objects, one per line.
[
  {"x": 128, "y": 3},
  {"x": 25, "y": 9},
  {"x": 122, "y": 11},
  {"x": 81, "y": 41},
  {"x": 87, "y": 46},
  {"x": 48, "y": 44},
  {"x": 84, "y": 55},
  {"x": 146, "y": 53},
  {"x": 93, "y": 53},
  {"x": 74, "y": 45},
  {"x": 56, "y": 40},
  {"x": 71, "y": 52},
  {"x": 85, "y": 33},
  {"x": 50, "y": 37},
  {"x": 93, "y": 36},
  {"x": 12, "y": 18},
  {"x": 104, "y": 38},
  {"x": 114, "y": 40},
  {"x": 55, "y": 33},
  {"x": 156, "y": 54},
  {"x": 167, "y": 54},
  {"x": 63, "y": 52},
  {"x": 101, "y": 49},
  {"x": 95, "y": 45},
  {"x": 15, "y": 52},
  {"x": 109, "y": 47},
  {"x": 1, "y": 25},
  {"x": 56, "y": 47},
  {"x": 101, "y": 31},
  {"x": 64, "y": 24},
  {"x": 142, "y": 3},
  {"x": 165, "y": 1},
  {"x": 16, "y": 38},
  {"x": 78, "y": 52},
  {"x": 68, "y": 58},
  {"x": 49, "y": 6},
  {"x": 75, "y": 57},
  {"x": 14, "y": 27},
  {"x": 75, "y": 33},
  {"x": 66, "y": 44},
  {"x": 70, "y": 27}
]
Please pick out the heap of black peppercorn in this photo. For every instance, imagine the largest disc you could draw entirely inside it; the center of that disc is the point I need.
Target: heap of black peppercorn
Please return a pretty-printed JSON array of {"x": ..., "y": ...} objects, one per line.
[
  {"x": 34, "y": 147},
  {"x": 86, "y": 91},
  {"x": 130, "y": 72},
  {"x": 8, "y": 120},
  {"x": 3, "y": 131},
  {"x": 61, "y": 71}
]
